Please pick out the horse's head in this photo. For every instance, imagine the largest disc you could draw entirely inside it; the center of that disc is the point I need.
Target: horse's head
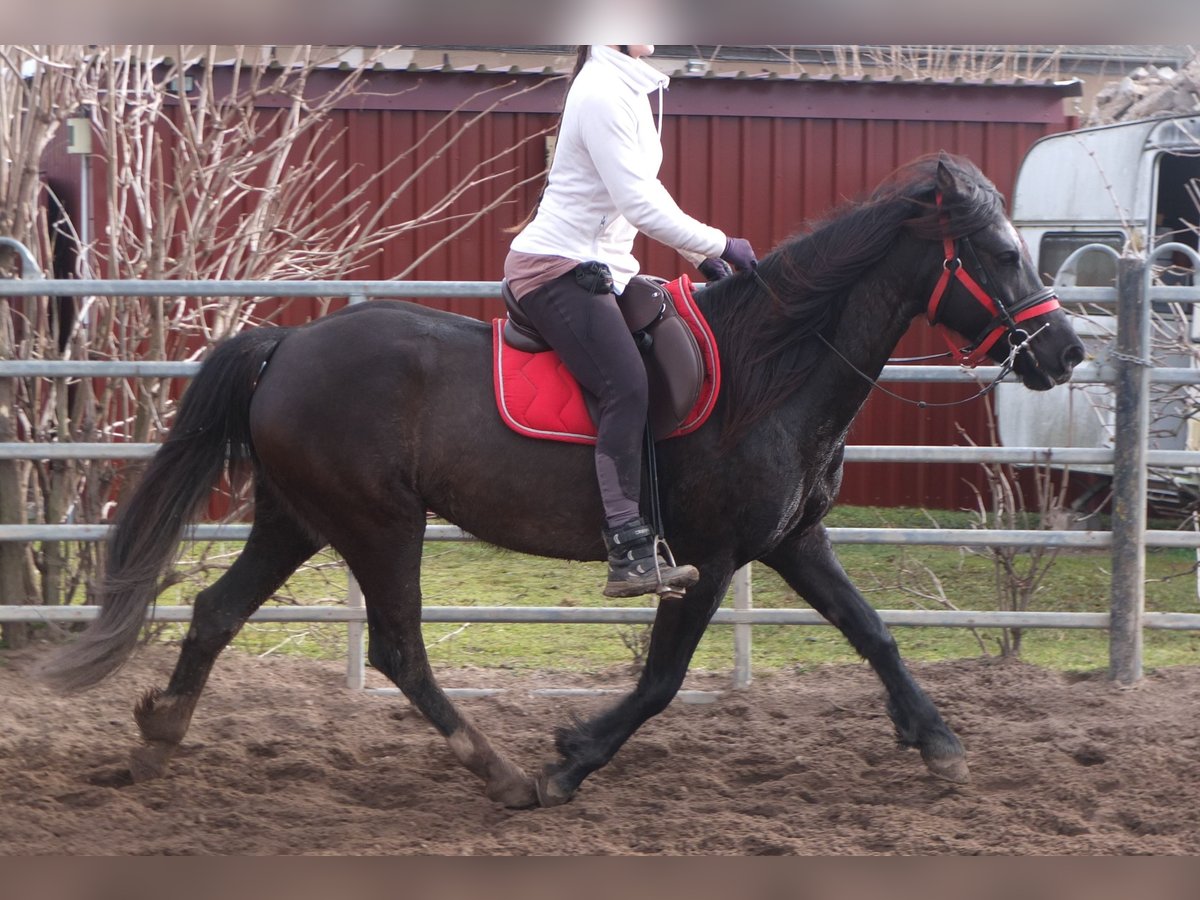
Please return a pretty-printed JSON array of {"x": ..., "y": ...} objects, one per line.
[{"x": 988, "y": 290}]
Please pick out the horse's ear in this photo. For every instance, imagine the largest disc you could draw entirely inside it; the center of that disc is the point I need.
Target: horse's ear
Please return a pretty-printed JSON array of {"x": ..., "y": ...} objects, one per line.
[{"x": 945, "y": 180}]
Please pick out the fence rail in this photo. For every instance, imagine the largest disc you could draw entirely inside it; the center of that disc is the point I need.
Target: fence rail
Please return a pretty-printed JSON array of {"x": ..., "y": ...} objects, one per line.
[
  {"x": 924, "y": 537},
  {"x": 628, "y": 615},
  {"x": 1127, "y": 541},
  {"x": 1031, "y": 456}
]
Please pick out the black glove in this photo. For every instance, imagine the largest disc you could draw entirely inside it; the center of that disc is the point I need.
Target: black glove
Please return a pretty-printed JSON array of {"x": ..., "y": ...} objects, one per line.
[
  {"x": 714, "y": 269},
  {"x": 739, "y": 254}
]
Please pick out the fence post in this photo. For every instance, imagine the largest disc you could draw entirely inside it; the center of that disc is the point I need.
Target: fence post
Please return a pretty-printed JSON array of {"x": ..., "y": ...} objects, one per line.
[
  {"x": 356, "y": 674},
  {"x": 356, "y": 670},
  {"x": 15, "y": 585},
  {"x": 1132, "y": 390},
  {"x": 742, "y": 599}
]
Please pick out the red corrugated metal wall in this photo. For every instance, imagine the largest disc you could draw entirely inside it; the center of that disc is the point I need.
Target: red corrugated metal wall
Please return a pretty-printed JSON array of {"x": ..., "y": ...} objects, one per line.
[
  {"x": 764, "y": 177},
  {"x": 757, "y": 158}
]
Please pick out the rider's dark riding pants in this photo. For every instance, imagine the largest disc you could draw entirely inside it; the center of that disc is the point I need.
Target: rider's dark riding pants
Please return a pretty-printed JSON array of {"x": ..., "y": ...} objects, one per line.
[{"x": 591, "y": 337}]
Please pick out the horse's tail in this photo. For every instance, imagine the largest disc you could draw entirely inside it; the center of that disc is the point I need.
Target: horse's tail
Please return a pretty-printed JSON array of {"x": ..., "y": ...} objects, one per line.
[{"x": 212, "y": 426}]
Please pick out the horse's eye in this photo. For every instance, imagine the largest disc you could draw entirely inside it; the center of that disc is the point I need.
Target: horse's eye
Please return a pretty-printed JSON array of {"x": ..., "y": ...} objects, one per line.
[{"x": 1009, "y": 258}]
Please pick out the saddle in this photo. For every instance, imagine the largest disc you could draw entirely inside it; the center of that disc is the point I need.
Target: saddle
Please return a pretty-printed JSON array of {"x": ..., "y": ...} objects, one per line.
[{"x": 676, "y": 345}]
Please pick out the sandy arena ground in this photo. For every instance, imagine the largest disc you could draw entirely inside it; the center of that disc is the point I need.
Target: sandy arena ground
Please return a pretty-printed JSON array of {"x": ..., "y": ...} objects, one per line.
[{"x": 283, "y": 759}]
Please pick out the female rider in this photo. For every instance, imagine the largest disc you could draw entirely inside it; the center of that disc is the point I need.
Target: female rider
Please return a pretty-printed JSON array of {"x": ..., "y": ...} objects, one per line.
[{"x": 569, "y": 262}]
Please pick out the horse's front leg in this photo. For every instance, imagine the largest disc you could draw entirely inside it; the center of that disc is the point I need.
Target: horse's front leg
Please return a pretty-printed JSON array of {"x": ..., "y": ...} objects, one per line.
[
  {"x": 807, "y": 562},
  {"x": 588, "y": 745}
]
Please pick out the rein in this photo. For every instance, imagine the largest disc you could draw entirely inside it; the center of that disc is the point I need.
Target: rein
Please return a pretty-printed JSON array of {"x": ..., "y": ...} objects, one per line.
[{"x": 1005, "y": 368}]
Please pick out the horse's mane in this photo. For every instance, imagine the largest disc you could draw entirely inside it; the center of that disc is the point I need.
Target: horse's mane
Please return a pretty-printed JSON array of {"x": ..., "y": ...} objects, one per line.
[{"x": 768, "y": 348}]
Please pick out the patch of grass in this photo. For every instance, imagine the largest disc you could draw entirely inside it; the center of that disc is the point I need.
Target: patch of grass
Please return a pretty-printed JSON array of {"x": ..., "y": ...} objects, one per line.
[{"x": 891, "y": 577}]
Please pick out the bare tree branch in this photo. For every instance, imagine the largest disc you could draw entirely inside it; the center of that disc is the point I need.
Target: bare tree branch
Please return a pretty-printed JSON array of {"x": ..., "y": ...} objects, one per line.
[{"x": 207, "y": 165}]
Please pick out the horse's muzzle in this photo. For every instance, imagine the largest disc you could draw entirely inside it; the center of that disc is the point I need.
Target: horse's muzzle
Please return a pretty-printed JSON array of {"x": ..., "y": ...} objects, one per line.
[{"x": 1040, "y": 370}]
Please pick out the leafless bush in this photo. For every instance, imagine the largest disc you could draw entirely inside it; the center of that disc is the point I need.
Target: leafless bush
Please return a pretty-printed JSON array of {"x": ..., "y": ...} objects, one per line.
[
  {"x": 636, "y": 639},
  {"x": 976, "y": 62},
  {"x": 38, "y": 87},
  {"x": 199, "y": 177},
  {"x": 1007, "y": 505}
]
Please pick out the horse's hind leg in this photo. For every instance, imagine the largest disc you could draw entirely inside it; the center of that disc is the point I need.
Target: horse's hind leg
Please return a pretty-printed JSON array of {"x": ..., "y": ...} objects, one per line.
[
  {"x": 275, "y": 549},
  {"x": 387, "y": 565},
  {"x": 808, "y": 564}
]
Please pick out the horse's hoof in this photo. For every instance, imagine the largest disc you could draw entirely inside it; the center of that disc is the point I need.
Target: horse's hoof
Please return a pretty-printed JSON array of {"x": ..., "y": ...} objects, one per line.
[
  {"x": 150, "y": 760},
  {"x": 549, "y": 793},
  {"x": 516, "y": 794},
  {"x": 950, "y": 768}
]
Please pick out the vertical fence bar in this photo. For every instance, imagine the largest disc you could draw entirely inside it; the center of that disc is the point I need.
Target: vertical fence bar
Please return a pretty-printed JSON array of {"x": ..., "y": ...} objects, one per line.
[
  {"x": 1132, "y": 389},
  {"x": 742, "y": 599},
  {"x": 356, "y": 674},
  {"x": 356, "y": 677},
  {"x": 12, "y": 560}
]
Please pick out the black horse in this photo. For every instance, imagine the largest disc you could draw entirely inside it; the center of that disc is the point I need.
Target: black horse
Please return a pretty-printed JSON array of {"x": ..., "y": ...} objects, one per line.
[{"x": 358, "y": 423}]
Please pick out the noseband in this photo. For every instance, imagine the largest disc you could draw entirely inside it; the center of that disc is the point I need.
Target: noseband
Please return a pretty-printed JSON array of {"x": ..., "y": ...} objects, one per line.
[{"x": 1006, "y": 319}]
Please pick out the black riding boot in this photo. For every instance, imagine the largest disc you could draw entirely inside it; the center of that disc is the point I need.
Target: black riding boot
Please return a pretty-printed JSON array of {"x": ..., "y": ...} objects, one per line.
[{"x": 635, "y": 566}]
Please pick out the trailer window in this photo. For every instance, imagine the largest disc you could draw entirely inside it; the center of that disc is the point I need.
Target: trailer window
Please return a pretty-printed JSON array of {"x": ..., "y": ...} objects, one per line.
[
  {"x": 1096, "y": 269},
  {"x": 1176, "y": 212}
]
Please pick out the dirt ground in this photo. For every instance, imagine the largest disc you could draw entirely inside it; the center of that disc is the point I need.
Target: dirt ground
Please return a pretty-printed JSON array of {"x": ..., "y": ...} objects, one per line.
[{"x": 283, "y": 759}]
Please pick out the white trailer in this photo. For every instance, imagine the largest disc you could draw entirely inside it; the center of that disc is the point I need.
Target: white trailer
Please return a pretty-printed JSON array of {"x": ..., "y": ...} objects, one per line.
[{"x": 1131, "y": 187}]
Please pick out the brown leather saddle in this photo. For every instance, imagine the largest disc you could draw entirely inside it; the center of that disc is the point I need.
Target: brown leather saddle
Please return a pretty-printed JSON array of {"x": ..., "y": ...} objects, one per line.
[{"x": 674, "y": 363}]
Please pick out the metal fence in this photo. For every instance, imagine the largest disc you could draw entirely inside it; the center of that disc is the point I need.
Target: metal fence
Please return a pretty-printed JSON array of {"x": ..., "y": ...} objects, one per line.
[{"x": 1131, "y": 375}]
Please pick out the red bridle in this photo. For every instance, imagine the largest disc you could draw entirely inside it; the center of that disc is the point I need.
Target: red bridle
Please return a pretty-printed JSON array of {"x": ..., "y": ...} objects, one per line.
[{"x": 1004, "y": 319}]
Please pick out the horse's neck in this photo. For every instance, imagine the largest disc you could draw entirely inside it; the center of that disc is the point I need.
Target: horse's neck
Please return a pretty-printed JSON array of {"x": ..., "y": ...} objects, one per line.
[
  {"x": 875, "y": 313},
  {"x": 878, "y": 312},
  {"x": 876, "y": 316}
]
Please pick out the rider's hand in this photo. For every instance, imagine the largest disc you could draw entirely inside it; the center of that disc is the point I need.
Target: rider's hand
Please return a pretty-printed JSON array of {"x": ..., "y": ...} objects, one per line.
[
  {"x": 714, "y": 269},
  {"x": 739, "y": 254}
]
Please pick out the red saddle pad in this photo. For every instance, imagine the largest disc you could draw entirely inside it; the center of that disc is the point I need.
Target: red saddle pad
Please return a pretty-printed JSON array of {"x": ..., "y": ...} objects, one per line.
[{"x": 537, "y": 397}]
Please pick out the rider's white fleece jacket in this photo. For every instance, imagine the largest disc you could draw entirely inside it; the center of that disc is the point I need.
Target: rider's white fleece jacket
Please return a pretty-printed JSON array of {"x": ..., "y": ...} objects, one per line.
[{"x": 603, "y": 186}]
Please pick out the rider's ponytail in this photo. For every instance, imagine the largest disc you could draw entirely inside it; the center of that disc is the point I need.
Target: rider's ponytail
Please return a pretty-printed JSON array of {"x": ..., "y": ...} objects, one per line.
[{"x": 581, "y": 56}]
